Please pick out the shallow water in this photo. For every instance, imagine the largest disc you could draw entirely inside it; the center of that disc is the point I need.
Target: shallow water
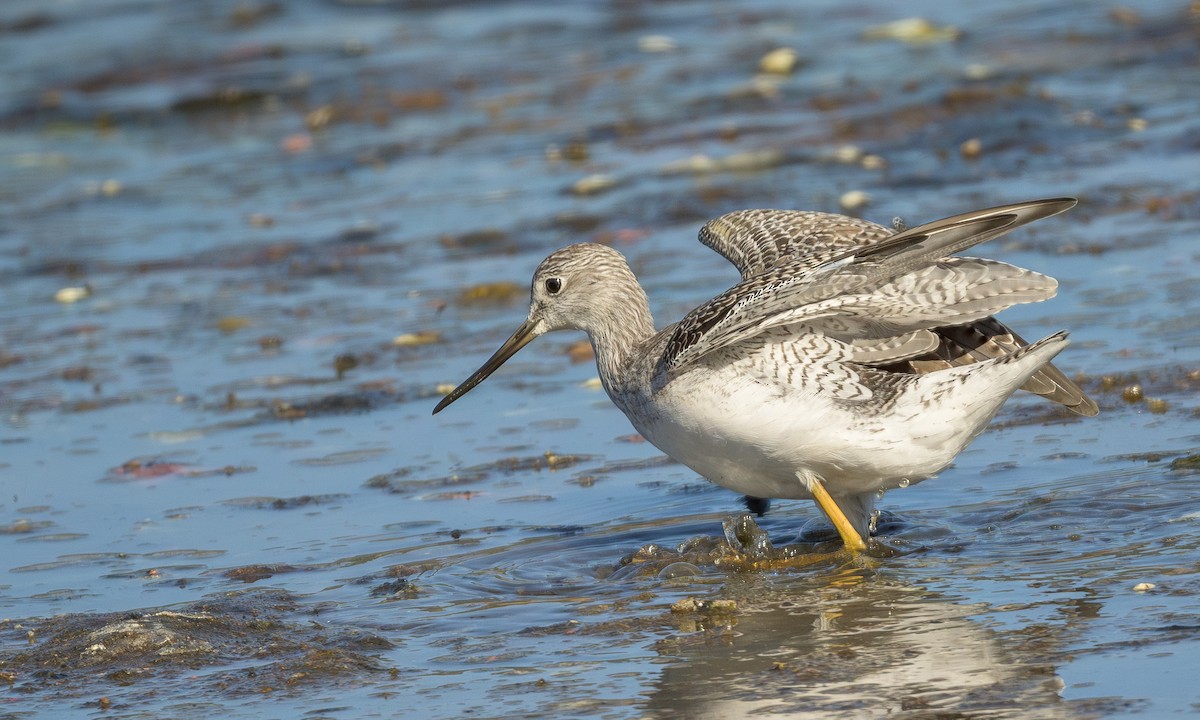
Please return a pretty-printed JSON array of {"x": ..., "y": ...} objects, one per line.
[{"x": 243, "y": 244}]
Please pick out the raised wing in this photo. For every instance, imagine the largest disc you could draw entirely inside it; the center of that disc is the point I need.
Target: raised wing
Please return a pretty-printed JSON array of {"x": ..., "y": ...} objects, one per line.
[
  {"x": 755, "y": 240},
  {"x": 951, "y": 327},
  {"x": 794, "y": 291}
]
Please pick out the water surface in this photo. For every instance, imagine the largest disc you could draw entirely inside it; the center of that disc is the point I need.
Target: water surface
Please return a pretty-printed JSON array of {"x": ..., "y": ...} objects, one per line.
[{"x": 242, "y": 245}]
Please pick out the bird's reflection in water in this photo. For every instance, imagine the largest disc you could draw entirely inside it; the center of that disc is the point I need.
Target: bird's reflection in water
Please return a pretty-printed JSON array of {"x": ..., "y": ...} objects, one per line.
[{"x": 856, "y": 647}]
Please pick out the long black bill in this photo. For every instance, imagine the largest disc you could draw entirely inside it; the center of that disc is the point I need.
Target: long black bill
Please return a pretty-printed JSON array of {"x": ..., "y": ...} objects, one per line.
[{"x": 519, "y": 339}]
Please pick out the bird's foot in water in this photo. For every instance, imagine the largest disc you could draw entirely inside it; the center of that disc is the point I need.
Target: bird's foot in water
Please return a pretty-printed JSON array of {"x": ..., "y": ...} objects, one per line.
[
  {"x": 749, "y": 548},
  {"x": 758, "y": 506},
  {"x": 819, "y": 530}
]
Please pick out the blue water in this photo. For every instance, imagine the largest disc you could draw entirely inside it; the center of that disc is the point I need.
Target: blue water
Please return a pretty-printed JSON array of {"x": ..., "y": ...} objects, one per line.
[{"x": 249, "y": 191}]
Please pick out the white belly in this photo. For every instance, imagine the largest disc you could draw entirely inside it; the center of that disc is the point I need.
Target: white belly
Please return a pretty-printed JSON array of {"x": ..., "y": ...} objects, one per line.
[{"x": 758, "y": 440}]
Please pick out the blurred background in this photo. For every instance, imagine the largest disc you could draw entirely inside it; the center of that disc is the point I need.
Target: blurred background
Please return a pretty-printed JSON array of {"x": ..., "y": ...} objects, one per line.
[{"x": 245, "y": 246}]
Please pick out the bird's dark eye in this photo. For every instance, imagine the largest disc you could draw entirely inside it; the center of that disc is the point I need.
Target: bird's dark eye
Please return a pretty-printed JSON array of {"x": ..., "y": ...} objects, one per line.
[{"x": 553, "y": 285}]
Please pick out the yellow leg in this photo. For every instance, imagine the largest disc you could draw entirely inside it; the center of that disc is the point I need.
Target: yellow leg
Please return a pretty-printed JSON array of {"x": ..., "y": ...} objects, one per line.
[{"x": 850, "y": 537}]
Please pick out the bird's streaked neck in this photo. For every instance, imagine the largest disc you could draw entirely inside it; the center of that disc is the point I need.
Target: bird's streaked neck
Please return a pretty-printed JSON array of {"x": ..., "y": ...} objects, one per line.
[{"x": 622, "y": 327}]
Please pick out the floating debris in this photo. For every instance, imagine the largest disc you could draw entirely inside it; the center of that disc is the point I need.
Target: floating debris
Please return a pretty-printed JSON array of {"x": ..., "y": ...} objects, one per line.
[
  {"x": 70, "y": 295},
  {"x": 780, "y": 61},
  {"x": 657, "y": 44},
  {"x": 854, "y": 200},
  {"x": 1144, "y": 587},
  {"x": 421, "y": 337},
  {"x": 971, "y": 149},
  {"x": 319, "y": 118},
  {"x": 233, "y": 323},
  {"x": 1132, "y": 394},
  {"x": 913, "y": 31},
  {"x": 873, "y": 162},
  {"x": 848, "y": 154},
  {"x": 593, "y": 184},
  {"x": 737, "y": 162},
  {"x": 978, "y": 71},
  {"x": 492, "y": 293}
]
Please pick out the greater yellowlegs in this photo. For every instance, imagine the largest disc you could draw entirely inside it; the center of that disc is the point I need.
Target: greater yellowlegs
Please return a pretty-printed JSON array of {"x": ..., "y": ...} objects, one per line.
[{"x": 850, "y": 359}]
